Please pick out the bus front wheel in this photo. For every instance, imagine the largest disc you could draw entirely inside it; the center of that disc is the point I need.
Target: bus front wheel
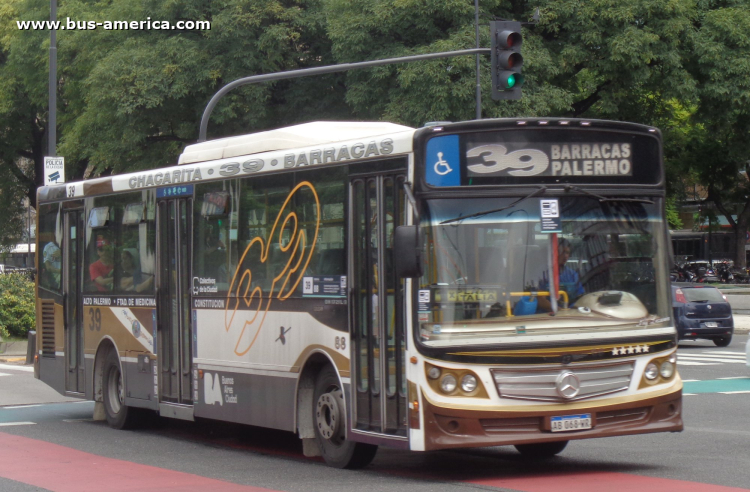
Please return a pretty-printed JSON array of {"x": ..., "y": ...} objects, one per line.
[
  {"x": 541, "y": 450},
  {"x": 329, "y": 419},
  {"x": 119, "y": 415}
]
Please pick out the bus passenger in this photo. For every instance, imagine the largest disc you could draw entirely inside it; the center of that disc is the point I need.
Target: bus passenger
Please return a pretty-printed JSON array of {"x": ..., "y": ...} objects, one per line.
[
  {"x": 51, "y": 265},
  {"x": 100, "y": 271},
  {"x": 131, "y": 277},
  {"x": 570, "y": 280}
]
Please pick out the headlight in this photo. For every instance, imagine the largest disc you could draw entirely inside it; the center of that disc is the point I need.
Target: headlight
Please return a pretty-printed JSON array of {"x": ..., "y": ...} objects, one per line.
[
  {"x": 652, "y": 371},
  {"x": 468, "y": 383},
  {"x": 666, "y": 370},
  {"x": 433, "y": 372},
  {"x": 673, "y": 358},
  {"x": 448, "y": 383}
]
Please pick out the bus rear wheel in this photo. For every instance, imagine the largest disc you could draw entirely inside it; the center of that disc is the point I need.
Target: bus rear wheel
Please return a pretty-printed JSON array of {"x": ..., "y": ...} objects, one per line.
[
  {"x": 119, "y": 415},
  {"x": 329, "y": 419},
  {"x": 541, "y": 450}
]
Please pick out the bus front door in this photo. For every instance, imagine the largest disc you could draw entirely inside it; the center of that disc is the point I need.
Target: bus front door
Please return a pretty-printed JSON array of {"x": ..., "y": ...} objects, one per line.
[
  {"x": 376, "y": 298},
  {"x": 174, "y": 335},
  {"x": 74, "y": 317}
]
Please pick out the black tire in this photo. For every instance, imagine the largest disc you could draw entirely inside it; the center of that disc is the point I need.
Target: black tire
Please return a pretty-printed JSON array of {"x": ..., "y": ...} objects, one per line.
[
  {"x": 723, "y": 341},
  {"x": 119, "y": 415},
  {"x": 329, "y": 420},
  {"x": 541, "y": 450}
]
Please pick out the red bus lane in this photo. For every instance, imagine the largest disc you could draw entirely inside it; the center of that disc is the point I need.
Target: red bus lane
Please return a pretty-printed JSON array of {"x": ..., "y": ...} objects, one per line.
[{"x": 62, "y": 469}]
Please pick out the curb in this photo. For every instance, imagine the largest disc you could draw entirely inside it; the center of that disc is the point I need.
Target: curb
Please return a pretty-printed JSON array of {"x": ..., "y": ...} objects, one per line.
[{"x": 15, "y": 360}]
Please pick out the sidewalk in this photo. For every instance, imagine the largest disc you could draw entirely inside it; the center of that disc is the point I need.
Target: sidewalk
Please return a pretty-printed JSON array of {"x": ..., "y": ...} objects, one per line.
[
  {"x": 741, "y": 324},
  {"x": 13, "y": 352}
]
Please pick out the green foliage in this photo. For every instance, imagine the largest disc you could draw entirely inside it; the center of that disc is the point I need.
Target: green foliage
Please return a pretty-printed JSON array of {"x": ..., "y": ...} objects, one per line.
[
  {"x": 17, "y": 305},
  {"x": 673, "y": 216},
  {"x": 131, "y": 100}
]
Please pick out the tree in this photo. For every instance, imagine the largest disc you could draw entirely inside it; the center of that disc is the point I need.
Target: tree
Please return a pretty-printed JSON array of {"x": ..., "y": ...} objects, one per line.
[
  {"x": 23, "y": 100},
  {"x": 140, "y": 94},
  {"x": 603, "y": 58},
  {"x": 717, "y": 148}
]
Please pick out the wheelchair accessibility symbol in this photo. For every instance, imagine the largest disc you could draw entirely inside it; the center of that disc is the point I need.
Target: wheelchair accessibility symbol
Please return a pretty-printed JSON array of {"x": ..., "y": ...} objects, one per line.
[{"x": 442, "y": 167}]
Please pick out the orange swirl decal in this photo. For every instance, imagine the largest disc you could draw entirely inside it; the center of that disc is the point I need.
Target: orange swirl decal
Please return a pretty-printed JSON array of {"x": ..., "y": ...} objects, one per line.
[{"x": 297, "y": 257}]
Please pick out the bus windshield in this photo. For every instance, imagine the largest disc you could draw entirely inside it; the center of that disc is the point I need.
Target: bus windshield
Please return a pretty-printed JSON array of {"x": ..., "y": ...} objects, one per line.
[{"x": 488, "y": 279}]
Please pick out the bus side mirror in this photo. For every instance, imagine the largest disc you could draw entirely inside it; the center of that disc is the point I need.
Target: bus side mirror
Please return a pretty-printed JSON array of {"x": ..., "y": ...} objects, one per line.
[{"x": 408, "y": 251}]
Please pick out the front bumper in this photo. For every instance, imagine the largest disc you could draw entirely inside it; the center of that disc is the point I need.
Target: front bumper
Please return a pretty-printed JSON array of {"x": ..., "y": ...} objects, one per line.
[{"x": 464, "y": 428}]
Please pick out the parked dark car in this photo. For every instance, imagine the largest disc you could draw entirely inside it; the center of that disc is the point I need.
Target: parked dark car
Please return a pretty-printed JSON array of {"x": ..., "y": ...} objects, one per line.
[{"x": 702, "y": 312}]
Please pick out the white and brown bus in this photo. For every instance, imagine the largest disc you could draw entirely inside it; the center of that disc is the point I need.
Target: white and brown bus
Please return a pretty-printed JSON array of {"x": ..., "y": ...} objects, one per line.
[{"x": 493, "y": 282}]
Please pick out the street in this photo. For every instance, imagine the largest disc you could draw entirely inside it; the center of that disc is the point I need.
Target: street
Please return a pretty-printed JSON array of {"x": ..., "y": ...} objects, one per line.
[{"x": 48, "y": 442}]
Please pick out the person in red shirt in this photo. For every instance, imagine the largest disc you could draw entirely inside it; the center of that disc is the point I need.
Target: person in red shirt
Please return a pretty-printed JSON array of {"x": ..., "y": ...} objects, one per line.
[{"x": 100, "y": 271}]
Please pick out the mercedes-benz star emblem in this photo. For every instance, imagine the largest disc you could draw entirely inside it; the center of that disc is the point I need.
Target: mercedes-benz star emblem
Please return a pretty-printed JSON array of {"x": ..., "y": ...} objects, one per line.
[{"x": 568, "y": 385}]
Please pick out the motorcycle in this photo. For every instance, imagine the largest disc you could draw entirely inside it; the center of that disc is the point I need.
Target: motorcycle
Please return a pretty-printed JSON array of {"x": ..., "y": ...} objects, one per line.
[{"x": 725, "y": 273}]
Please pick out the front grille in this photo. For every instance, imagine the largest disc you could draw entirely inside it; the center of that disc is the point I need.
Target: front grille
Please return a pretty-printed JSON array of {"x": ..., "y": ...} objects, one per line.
[
  {"x": 541, "y": 384},
  {"x": 520, "y": 424},
  {"x": 48, "y": 327},
  {"x": 628, "y": 416}
]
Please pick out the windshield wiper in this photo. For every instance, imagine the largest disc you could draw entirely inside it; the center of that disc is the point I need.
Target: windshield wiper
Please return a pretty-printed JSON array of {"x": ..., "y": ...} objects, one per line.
[
  {"x": 603, "y": 199},
  {"x": 540, "y": 191}
]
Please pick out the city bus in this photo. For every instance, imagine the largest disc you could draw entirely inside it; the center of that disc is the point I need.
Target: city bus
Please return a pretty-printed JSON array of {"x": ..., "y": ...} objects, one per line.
[{"x": 483, "y": 283}]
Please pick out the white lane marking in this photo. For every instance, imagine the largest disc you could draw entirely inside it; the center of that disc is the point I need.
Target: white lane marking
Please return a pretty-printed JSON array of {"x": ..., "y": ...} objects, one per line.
[
  {"x": 724, "y": 352},
  {"x": 690, "y": 380},
  {"x": 4, "y": 374},
  {"x": 716, "y": 355},
  {"x": 17, "y": 368},
  {"x": 686, "y": 363},
  {"x": 689, "y": 394},
  {"x": 19, "y": 406},
  {"x": 8, "y": 424},
  {"x": 710, "y": 359},
  {"x": 733, "y": 392},
  {"x": 735, "y": 377}
]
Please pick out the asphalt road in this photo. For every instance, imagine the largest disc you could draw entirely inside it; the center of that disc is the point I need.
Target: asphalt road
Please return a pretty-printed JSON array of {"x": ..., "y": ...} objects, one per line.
[{"x": 51, "y": 443}]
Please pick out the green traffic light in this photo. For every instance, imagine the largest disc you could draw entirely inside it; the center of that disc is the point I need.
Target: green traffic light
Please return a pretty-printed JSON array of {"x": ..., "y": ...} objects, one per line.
[{"x": 511, "y": 81}]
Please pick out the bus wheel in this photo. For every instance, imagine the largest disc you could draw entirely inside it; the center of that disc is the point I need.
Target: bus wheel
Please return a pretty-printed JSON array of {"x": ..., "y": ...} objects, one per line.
[
  {"x": 119, "y": 415},
  {"x": 542, "y": 449},
  {"x": 329, "y": 419}
]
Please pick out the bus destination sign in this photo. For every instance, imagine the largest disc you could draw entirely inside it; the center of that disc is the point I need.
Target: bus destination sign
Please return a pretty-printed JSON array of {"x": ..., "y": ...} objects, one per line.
[
  {"x": 586, "y": 159},
  {"x": 516, "y": 157}
]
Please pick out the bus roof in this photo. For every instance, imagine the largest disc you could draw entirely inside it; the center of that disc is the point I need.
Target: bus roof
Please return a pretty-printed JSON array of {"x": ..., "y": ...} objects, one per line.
[
  {"x": 316, "y": 143},
  {"x": 304, "y": 135}
]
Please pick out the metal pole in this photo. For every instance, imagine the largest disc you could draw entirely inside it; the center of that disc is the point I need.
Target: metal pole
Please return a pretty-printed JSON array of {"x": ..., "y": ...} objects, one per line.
[
  {"x": 305, "y": 72},
  {"x": 29, "y": 258},
  {"x": 710, "y": 262},
  {"x": 52, "y": 126},
  {"x": 479, "y": 85}
]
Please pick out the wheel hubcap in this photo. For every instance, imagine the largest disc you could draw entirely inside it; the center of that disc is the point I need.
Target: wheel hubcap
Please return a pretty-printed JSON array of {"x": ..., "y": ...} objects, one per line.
[
  {"x": 328, "y": 415},
  {"x": 115, "y": 394}
]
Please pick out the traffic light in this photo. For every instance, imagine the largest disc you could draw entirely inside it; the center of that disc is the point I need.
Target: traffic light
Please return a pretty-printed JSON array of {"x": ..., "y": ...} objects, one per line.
[{"x": 506, "y": 59}]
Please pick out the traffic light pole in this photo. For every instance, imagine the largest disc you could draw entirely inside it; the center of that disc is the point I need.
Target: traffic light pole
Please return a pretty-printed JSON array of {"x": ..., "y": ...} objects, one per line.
[{"x": 306, "y": 72}]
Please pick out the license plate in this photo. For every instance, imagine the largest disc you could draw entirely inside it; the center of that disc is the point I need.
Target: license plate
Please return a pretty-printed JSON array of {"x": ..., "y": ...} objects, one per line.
[
  {"x": 571, "y": 422},
  {"x": 711, "y": 324}
]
